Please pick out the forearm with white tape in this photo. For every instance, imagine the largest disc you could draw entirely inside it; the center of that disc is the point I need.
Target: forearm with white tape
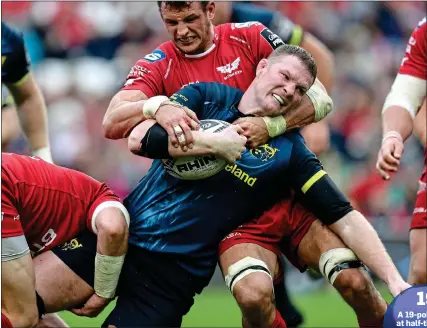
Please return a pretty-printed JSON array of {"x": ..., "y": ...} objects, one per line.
[
  {"x": 275, "y": 125},
  {"x": 407, "y": 92},
  {"x": 151, "y": 106},
  {"x": 107, "y": 273},
  {"x": 322, "y": 103},
  {"x": 108, "y": 268}
]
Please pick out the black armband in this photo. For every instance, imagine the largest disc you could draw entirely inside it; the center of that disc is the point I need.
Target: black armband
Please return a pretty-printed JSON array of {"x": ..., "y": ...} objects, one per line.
[
  {"x": 155, "y": 143},
  {"x": 326, "y": 201}
]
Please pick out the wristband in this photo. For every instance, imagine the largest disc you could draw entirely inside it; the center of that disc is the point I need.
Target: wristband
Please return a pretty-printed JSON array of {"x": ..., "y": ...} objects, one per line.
[
  {"x": 151, "y": 106},
  {"x": 43, "y": 153},
  {"x": 392, "y": 134},
  {"x": 322, "y": 103},
  {"x": 107, "y": 272},
  {"x": 275, "y": 125}
]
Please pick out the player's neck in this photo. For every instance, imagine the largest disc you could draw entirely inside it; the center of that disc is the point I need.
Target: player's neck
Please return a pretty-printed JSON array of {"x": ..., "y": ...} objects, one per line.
[
  {"x": 210, "y": 40},
  {"x": 248, "y": 105}
]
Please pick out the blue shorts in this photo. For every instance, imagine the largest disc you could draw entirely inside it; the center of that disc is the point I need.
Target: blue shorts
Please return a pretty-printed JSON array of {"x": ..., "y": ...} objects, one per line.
[{"x": 153, "y": 291}]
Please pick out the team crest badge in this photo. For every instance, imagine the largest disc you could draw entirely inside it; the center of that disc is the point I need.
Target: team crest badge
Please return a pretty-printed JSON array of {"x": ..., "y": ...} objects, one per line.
[{"x": 264, "y": 152}]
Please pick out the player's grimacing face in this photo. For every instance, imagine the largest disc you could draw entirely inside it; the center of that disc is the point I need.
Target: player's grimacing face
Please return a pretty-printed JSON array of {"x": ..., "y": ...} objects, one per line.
[
  {"x": 190, "y": 27},
  {"x": 282, "y": 84}
]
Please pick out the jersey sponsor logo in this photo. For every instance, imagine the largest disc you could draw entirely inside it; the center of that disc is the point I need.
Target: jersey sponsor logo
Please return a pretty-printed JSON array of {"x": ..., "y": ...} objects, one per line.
[
  {"x": 231, "y": 235},
  {"x": 72, "y": 244},
  {"x": 139, "y": 71},
  {"x": 422, "y": 186},
  {"x": 155, "y": 56},
  {"x": 403, "y": 61},
  {"x": 168, "y": 69},
  {"x": 136, "y": 74},
  {"x": 178, "y": 98},
  {"x": 419, "y": 210},
  {"x": 244, "y": 25},
  {"x": 234, "y": 170},
  {"x": 273, "y": 39},
  {"x": 189, "y": 83},
  {"x": 195, "y": 165},
  {"x": 132, "y": 81},
  {"x": 238, "y": 39},
  {"x": 264, "y": 152},
  {"x": 16, "y": 218},
  {"x": 230, "y": 69},
  {"x": 47, "y": 239}
]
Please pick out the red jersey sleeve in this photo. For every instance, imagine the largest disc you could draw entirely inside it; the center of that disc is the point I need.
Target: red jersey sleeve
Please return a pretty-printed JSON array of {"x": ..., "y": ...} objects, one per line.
[
  {"x": 147, "y": 74},
  {"x": 415, "y": 61},
  {"x": 262, "y": 41},
  {"x": 10, "y": 220}
]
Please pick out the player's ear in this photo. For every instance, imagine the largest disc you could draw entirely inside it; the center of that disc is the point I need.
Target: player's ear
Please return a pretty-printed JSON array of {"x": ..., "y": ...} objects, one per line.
[
  {"x": 262, "y": 65},
  {"x": 210, "y": 9}
]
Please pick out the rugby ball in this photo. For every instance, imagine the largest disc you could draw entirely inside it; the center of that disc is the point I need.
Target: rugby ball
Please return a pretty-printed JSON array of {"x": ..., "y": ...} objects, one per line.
[{"x": 198, "y": 167}]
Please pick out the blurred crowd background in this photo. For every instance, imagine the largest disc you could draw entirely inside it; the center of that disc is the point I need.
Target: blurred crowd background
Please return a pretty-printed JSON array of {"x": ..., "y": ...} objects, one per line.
[{"x": 81, "y": 53}]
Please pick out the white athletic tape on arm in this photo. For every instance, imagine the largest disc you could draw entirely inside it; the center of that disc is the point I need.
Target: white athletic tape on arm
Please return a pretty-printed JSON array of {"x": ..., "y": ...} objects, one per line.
[
  {"x": 44, "y": 154},
  {"x": 241, "y": 265},
  {"x": 407, "y": 92},
  {"x": 330, "y": 259},
  {"x": 107, "y": 272},
  {"x": 322, "y": 103},
  {"x": 151, "y": 106},
  {"x": 276, "y": 126},
  {"x": 104, "y": 205}
]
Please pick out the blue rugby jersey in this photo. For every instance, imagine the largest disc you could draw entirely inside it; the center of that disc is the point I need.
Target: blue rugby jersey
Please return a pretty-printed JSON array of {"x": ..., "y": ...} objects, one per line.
[
  {"x": 190, "y": 218},
  {"x": 14, "y": 59}
]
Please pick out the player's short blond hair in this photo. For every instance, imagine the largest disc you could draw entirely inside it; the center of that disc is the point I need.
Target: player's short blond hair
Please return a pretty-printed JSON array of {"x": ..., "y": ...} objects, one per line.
[{"x": 303, "y": 55}]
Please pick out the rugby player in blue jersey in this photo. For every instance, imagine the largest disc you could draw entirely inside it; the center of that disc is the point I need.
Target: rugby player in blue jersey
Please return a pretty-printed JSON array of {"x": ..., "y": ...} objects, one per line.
[
  {"x": 291, "y": 165},
  {"x": 316, "y": 135},
  {"x": 176, "y": 225},
  {"x": 29, "y": 101}
]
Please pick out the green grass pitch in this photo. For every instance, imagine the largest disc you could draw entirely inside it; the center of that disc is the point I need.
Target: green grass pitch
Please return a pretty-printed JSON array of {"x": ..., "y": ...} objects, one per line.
[{"x": 217, "y": 308}]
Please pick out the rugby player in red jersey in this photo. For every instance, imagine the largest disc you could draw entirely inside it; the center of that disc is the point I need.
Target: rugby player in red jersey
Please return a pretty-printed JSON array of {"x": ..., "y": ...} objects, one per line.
[
  {"x": 229, "y": 53},
  {"x": 316, "y": 134},
  {"x": 43, "y": 206},
  {"x": 400, "y": 108}
]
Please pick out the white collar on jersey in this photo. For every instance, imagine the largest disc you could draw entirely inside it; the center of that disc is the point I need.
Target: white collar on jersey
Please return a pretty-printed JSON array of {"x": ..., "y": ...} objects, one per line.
[{"x": 203, "y": 53}]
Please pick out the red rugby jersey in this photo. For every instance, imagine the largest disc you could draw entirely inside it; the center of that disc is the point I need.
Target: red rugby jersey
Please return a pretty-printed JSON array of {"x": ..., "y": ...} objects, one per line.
[
  {"x": 415, "y": 61},
  {"x": 49, "y": 204},
  {"x": 415, "y": 64},
  {"x": 232, "y": 60}
]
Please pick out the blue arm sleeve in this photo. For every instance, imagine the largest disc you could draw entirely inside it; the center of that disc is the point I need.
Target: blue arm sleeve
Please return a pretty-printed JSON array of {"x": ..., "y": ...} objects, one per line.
[
  {"x": 313, "y": 185},
  {"x": 303, "y": 163},
  {"x": 289, "y": 32},
  {"x": 15, "y": 63}
]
